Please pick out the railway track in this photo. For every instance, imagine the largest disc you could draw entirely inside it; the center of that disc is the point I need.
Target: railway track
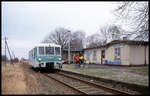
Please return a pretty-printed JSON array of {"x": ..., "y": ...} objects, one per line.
[{"x": 83, "y": 86}]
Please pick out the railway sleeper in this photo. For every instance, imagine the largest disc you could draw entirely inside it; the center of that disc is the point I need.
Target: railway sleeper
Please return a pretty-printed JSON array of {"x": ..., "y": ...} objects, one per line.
[
  {"x": 75, "y": 84},
  {"x": 80, "y": 87},
  {"x": 96, "y": 92},
  {"x": 110, "y": 90},
  {"x": 89, "y": 89}
]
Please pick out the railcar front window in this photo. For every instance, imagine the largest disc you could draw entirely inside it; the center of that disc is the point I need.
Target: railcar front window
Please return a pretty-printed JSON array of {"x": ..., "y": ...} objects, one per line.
[
  {"x": 41, "y": 50},
  {"x": 49, "y": 50},
  {"x": 57, "y": 50}
]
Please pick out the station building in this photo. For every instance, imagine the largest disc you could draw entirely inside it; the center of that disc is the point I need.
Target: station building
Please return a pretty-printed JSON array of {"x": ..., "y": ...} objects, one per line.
[
  {"x": 119, "y": 52},
  {"x": 73, "y": 53}
]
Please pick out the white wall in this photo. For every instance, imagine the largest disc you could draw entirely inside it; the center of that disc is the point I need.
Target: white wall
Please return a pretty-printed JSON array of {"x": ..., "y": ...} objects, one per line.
[
  {"x": 147, "y": 55},
  {"x": 124, "y": 54},
  {"x": 98, "y": 55},
  {"x": 129, "y": 54},
  {"x": 137, "y": 55}
]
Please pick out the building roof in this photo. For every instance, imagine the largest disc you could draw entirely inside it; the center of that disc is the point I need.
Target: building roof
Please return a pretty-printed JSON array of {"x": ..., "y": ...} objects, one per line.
[
  {"x": 94, "y": 47},
  {"x": 131, "y": 42}
]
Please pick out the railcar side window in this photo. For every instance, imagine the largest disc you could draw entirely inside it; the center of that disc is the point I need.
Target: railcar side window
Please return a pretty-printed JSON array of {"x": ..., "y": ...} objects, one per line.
[
  {"x": 49, "y": 50},
  {"x": 41, "y": 50},
  {"x": 32, "y": 53},
  {"x": 57, "y": 50}
]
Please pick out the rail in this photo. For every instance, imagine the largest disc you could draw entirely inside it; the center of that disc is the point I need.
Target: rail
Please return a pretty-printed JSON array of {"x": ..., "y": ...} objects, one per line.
[{"x": 83, "y": 84}]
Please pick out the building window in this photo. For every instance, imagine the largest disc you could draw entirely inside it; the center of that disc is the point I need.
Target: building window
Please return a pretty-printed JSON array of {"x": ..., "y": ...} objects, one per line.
[
  {"x": 117, "y": 53},
  {"x": 88, "y": 54},
  {"x": 41, "y": 50},
  {"x": 94, "y": 55}
]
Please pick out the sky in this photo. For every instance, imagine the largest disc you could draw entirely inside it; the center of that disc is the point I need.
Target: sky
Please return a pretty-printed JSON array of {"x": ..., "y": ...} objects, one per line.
[{"x": 26, "y": 24}]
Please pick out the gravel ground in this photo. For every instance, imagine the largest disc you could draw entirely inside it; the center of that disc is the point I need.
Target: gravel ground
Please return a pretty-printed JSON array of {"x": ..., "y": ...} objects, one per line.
[
  {"x": 124, "y": 74},
  {"x": 13, "y": 79},
  {"x": 47, "y": 85},
  {"x": 115, "y": 86},
  {"x": 78, "y": 84},
  {"x": 20, "y": 79}
]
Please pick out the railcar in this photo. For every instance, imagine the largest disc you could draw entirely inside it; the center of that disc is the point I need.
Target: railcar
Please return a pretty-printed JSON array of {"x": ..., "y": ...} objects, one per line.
[{"x": 46, "y": 55}]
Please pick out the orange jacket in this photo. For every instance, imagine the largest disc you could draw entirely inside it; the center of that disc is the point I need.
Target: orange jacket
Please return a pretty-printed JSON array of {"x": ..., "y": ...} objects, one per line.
[{"x": 77, "y": 59}]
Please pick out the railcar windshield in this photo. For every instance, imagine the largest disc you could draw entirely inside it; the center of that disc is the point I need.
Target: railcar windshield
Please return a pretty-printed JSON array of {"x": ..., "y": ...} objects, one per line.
[
  {"x": 41, "y": 50},
  {"x": 57, "y": 50},
  {"x": 49, "y": 50}
]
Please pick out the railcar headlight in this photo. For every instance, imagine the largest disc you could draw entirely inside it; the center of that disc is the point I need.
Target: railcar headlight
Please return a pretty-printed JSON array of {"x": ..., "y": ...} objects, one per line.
[
  {"x": 39, "y": 59},
  {"x": 59, "y": 58}
]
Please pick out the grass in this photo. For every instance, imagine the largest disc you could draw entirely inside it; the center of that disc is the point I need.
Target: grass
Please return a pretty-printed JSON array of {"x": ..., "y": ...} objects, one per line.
[
  {"x": 143, "y": 69},
  {"x": 90, "y": 71},
  {"x": 114, "y": 74}
]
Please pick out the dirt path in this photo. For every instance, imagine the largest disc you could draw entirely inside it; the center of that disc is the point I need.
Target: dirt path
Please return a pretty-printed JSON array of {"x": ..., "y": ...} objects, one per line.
[
  {"x": 21, "y": 79},
  {"x": 13, "y": 80}
]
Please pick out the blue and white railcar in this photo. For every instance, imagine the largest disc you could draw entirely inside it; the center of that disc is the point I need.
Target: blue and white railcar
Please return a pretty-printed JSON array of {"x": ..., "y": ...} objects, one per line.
[{"x": 46, "y": 55}]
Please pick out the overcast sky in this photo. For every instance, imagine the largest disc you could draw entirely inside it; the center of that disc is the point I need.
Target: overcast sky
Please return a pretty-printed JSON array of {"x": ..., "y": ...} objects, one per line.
[{"x": 27, "y": 23}]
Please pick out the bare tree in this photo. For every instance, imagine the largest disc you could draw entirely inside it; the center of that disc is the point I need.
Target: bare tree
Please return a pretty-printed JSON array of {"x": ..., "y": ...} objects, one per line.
[
  {"x": 93, "y": 41},
  {"x": 58, "y": 36},
  {"x": 136, "y": 14},
  {"x": 77, "y": 39},
  {"x": 109, "y": 33},
  {"x": 61, "y": 36}
]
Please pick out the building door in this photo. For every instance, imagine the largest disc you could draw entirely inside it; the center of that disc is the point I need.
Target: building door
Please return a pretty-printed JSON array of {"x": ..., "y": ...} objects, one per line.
[{"x": 102, "y": 56}]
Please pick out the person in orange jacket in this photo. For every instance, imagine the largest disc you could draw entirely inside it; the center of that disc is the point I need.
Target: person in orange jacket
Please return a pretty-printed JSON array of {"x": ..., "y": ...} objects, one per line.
[{"x": 77, "y": 60}]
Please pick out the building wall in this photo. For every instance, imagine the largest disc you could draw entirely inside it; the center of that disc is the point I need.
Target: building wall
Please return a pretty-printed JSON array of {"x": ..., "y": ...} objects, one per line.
[
  {"x": 88, "y": 58},
  {"x": 99, "y": 56},
  {"x": 147, "y": 55},
  {"x": 85, "y": 56},
  {"x": 124, "y": 54},
  {"x": 137, "y": 55},
  {"x": 109, "y": 54},
  {"x": 129, "y": 54},
  {"x": 91, "y": 59}
]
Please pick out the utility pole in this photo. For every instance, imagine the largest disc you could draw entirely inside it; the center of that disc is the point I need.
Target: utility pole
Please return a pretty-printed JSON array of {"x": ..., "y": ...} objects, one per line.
[
  {"x": 5, "y": 49},
  {"x": 69, "y": 48},
  {"x": 8, "y": 51},
  {"x": 6, "y": 45},
  {"x": 13, "y": 54}
]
